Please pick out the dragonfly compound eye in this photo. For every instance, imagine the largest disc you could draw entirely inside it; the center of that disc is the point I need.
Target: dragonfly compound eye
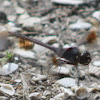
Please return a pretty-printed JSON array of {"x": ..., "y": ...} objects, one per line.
[{"x": 85, "y": 58}]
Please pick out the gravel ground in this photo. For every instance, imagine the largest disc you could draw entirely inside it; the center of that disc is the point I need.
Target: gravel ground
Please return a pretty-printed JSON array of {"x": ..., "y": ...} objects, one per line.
[{"x": 38, "y": 70}]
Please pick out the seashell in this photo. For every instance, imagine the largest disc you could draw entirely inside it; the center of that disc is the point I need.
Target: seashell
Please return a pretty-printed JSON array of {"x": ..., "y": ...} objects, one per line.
[
  {"x": 59, "y": 96},
  {"x": 67, "y": 90},
  {"x": 39, "y": 77},
  {"x": 80, "y": 24},
  {"x": 35, "y": 95},
  {"x": 8, "y": 68},
  {"x": 96, "y": 15},
  {"x": 60, "y": 70},
  {"x": 95, "y": 71},
  {"x": 81, "y": 92},
  {"x": 24, "y": 53},
  {"x": 47, "y": 93},
  {"x": 7, "y": 89},
  {"x": 67, "y": 82},
  {"x": 72, "y": 2},
  {"x": 96, "y": 63}
]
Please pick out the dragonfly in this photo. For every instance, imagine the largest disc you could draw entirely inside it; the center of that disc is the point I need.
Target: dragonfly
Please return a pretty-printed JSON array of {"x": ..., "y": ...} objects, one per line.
[{"x": 72, "y": 55}]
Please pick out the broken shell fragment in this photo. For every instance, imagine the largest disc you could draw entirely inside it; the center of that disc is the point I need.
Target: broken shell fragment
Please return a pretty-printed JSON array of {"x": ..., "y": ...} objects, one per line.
[
  {"x": 39, "y": 78},
  {"x": 35, "y": 95},
  {"x": 7, "y": 89}
]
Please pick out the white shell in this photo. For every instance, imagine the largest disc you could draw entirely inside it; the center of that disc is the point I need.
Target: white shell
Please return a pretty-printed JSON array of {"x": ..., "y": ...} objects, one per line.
[
  {"x": 96, "y": 63},
  {"x": 80, "y": 24},
  {"x": 94, "y": 71},
  {"x": 59, "y": 96},
  {"x": 67, "y": 90},
  {"x": 8, "y": 68},
  {"x": 24, "y": 53},
  {"x": 60, "y": 70},
  {"x": 81, "y": 93},
  {"x": 72, "y": 2},
  {"x": 66, "y": 82},
  {"x": 96, "y": 15},
  {"x": 7, "y": 88},
  {"x": 35, "y": 95}
]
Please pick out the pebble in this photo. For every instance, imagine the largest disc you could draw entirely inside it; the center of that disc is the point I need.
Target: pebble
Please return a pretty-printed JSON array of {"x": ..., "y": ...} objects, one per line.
[
  {"x": 96, "y": 63},
  {"x": 8, "y": 68},
  {"x": 24, "y": 53},
  {"x": 80, "y": 24},
  {"x": 67, "y": 82},
  {"x": 7, "y": 89}
]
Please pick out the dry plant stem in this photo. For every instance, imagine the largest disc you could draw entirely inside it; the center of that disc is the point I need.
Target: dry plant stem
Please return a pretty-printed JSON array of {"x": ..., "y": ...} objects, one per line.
[
  {"x": 78, "y": 75},
  {"x": 58, "y": 51},
  {"x": 25, "y": 88}
]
